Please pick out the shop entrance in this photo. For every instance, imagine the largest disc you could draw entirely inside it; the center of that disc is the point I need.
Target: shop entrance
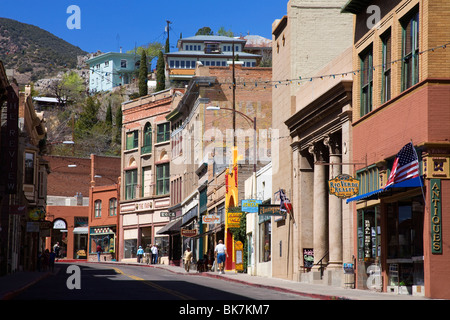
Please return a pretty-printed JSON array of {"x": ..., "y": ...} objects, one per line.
[{"x": 405, "y": 245}]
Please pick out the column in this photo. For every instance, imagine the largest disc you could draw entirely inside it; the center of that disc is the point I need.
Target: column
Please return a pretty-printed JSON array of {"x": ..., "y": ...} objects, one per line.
[
  {"x": 320, "y": 208},
  {"x": 334, "y": 205}
]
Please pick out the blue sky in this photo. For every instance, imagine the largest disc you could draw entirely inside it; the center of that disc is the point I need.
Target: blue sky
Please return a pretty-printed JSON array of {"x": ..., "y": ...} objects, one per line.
[{"x": 107, "y": 25}]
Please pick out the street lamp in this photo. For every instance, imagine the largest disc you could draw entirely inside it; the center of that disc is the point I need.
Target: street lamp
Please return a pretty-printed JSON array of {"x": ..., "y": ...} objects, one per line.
[{"x": 255, "y": 225}]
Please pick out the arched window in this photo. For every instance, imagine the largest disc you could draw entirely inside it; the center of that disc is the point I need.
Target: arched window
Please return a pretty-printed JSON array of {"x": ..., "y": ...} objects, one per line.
[
  {"x": 113, "y": 207},
  {"x": 147, "y": 145},
  {"x": 98, "y": 208}
]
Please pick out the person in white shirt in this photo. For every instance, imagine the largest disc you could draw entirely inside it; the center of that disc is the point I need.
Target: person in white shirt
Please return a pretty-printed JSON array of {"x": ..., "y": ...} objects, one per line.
[
  {"x": 221, "y": 255},
  {"x": 154, "y": 254}
]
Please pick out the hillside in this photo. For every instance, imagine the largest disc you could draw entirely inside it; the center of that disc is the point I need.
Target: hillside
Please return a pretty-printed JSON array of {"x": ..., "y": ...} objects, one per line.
[{"x": 34, "y": 53}]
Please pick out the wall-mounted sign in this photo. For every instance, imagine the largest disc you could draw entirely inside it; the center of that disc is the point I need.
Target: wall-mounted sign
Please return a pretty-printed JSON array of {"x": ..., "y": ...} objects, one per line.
[
  {"x": 239, "y": 254},
  {"x": 59, "y": 224},
  {"x": 167, "y": 214},
  {"x": 436, "y": 213},
  {"x": 270, "y": 210},
  {"x": 234, "y": 219},
  {"x": 343, "y": 186},
  {"x": 36, "y": 214},
  {"x": 250, "y": 206},
  {"x": 188, "y": 232},
  {"x": 211, "y": 219}
]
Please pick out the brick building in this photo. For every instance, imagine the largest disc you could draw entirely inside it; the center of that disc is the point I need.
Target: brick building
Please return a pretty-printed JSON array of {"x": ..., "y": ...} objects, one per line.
[
  {"x": 202, "y": 142},
  {"x": 68, "y": 199},
  {"x": 145, "y": 173},
  {"x": 401, "y": 95}
]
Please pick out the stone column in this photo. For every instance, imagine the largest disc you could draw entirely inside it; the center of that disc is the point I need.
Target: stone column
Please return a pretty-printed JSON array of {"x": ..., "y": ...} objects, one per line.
[
  {"x": 334, "y": 205},
  {"x": 320, "y": 208}
]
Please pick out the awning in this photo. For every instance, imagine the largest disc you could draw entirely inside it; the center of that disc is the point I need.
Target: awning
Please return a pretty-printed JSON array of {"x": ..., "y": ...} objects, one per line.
[
  {"x": 172, "y": 227},
  {"x": 410, "y": 183},
  {"x": 80, "y": 230}
]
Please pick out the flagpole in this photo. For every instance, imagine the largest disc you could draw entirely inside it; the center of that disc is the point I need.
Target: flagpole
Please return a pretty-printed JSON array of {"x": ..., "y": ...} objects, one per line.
[{"x": 420, "y": 178}]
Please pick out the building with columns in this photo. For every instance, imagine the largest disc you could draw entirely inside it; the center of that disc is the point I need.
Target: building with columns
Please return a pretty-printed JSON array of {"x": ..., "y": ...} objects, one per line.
[
  {"x": 320, "y": 151},
  {"x": 308, "y": 37}
]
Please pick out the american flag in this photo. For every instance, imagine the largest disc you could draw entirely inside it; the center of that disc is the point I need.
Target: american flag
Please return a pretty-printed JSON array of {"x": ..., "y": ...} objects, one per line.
[
  {"x": 406, "y": 165},
  {"x": 285, "y": 204}
]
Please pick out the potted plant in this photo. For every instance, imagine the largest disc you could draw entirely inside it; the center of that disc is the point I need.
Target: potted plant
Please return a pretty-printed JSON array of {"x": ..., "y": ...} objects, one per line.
[{"x": 113, "y": 255}]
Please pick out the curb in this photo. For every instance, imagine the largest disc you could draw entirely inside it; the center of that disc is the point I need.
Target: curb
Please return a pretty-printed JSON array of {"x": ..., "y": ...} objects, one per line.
[{"x": 12, "y": 294}]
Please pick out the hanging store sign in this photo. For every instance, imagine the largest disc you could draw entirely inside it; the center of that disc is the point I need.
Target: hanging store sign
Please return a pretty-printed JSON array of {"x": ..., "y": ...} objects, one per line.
[
  {"x": 210, "y": 219},
  {"x": 270, "y": 210},
  {"x": 436, "y": 214},
  {"x": 234, "y": 219},
  {"x": 250, "y": 206},
  {"x": 343, "y": 186},
  {"x": 188, "y": 233}
]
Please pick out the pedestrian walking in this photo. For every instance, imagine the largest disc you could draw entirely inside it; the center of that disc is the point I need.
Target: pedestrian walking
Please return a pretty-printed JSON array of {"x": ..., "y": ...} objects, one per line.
[
  {"x": 51, "y": 260},
  {"x": 187, "y": 259},
  {"x": 140, "y": 254},
  {"x": 56, "y": 249},
  {"x": 221, "y": 255},
  {"x": 148, "y": 254},
  {"x": 99, "y": 252},
  {"x": 154, "y": 254}
]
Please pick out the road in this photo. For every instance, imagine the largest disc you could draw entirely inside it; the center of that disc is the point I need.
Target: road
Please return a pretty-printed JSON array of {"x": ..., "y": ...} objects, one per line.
[{"x": 122, "y": 282}]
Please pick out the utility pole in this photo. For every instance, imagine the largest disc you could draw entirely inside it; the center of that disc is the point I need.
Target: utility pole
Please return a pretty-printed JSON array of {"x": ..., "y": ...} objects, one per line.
[
  {"x": 234, "y": 103},
  {"x": 168, "y": 33}
]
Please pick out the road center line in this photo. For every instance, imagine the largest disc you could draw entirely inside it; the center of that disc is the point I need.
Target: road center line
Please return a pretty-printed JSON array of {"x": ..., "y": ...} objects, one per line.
[{"x": 157, "y": 287}]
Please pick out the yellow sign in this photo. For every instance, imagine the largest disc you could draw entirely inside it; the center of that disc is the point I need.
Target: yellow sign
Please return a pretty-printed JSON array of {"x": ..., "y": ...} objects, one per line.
[
  {"x": 239, "y": 255},
  {"x": 343, "y": 186},
  {"x": 234, "y": 219}
]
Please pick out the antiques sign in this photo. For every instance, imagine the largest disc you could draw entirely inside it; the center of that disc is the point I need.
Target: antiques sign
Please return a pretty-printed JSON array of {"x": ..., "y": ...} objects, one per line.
[
  {"x": 436, "y": 213},
  {"x": 343, "y": 186}
]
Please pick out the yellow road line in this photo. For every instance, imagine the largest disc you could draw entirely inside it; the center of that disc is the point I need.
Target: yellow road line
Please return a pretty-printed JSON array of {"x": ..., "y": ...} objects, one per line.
[{"x": 157, "y": 287}]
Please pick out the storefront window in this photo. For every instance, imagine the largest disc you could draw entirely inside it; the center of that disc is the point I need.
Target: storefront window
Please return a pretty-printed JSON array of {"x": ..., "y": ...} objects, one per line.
[
  {"x": 369, "y": 248},
  {"x": 130, "y": 248},
  {"x": 163, "y": 246},
  {"x": 106, "y": 241},
  {"x": 265, "y": 231},
  {"x": 405, "y": 243}
]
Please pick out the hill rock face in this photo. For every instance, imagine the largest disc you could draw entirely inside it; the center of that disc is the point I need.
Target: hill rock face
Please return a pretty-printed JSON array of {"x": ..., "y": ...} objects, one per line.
[{"x": 34, "y": 53}]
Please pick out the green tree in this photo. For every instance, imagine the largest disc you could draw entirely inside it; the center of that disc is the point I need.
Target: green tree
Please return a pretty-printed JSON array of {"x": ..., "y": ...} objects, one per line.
[
  {"x": 205, "y": 31},
  {"x": 160, "y": 73},
  {"x": 223, "y": 32},
  {"x": 143, "y": 71},
  {"x": 108, "y": 118},
  {"x": 167, "y": 47},
  {"x": 118, "y": 137},
  {"x": 88, "y": 117}
]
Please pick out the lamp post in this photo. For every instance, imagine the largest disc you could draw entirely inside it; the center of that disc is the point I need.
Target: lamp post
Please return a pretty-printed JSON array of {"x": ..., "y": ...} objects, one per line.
[{"x": 254, "y": 191}]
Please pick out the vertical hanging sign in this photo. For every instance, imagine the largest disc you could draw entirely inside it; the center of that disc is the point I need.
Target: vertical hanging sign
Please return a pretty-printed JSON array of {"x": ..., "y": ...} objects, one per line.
[
  {"x": 436, "y": 214},
  {"x": 12, "y": 140}
]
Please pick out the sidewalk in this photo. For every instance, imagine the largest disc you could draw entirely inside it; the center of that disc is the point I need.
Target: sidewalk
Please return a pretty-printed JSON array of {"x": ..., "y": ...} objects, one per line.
[{"x": 13, "y": 284}]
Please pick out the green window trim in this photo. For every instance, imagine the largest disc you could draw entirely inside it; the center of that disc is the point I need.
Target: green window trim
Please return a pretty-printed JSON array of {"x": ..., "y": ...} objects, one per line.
[
  {"x": 147, "y": 143},
  {"x": 132, "y": 140},
  {"x": 386, "y": 70},
  {"x": 130, "y": 184},
  {"x": 163, "y": 179},
  {"x": 366, "y": 60},
  {"x": 410, "y": 50},
  {"x": 163, "y": 132}
]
